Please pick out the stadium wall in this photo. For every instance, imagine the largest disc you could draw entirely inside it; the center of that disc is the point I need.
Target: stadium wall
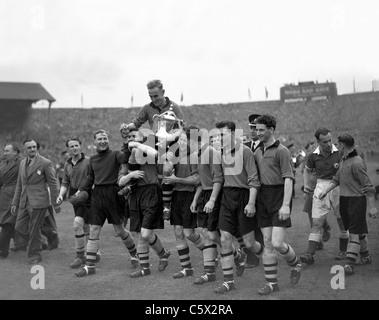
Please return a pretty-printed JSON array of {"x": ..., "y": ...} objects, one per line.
[{"x": 357, "y": 114}]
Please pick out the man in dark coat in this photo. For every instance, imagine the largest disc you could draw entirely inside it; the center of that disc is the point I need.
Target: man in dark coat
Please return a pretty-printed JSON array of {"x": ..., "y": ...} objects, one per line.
[
  {"x": 253, "y": 144},
  {"x": 8, "y": 181}
]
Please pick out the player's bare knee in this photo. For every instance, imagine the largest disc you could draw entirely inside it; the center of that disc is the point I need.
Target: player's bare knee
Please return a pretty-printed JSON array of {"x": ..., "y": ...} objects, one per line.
[
  {"x": 354, "y": 237},
  {"x": 213, "y": 236},
  {"x": 317, "y": 224},
  {"x": 268, "y": 246},
  {"x": 205, "y": 234},
  {"x": 248, "y": 242},
  {"x": 86, "y": 228},
  {"x": 94, "y": 231},
  {"x": 278, "y": 245},
  {"x": 121, "y": 232},
  {"x": 78, "y": 225},
  {"x": 147, "y": 235},
  {"x": 226, "y": 240},
  {"x": 190, "y": 234},
  {"x": 178, "y": 232}
]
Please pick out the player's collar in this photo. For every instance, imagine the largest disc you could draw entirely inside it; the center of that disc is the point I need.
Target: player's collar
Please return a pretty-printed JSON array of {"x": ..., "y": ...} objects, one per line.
[{"x": 318, "y": 149}]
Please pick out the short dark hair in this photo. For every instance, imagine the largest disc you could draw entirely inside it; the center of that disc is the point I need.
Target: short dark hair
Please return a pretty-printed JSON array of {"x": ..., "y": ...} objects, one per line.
[
  {"x": 193, "y": 128},
  {"x": 346, "y": 139},
  {"x": 15, "y": 147},
  {"x": 155, "y": 84},
  {"x": 321, "y": 131},
  {"x": 28, "y": 140},
  {"x": 73, "y": 138},
  {"x": 226, "y": 123},
  {"x": 100, "y": 131},
  {"x": 268, "y": 120}
]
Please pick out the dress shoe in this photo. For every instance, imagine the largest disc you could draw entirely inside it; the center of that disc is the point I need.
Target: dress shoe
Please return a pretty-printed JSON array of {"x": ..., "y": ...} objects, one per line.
[{"x": 53, "y": 243}]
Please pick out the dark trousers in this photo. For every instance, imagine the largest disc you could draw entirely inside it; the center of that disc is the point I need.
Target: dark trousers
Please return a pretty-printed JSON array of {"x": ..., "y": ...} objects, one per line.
[
  {"x": 49, "y": 227},
  {"x": 48, "y": 230},
  {"x": 29, "y": 223},
  {"x": 7, "y": 232}
]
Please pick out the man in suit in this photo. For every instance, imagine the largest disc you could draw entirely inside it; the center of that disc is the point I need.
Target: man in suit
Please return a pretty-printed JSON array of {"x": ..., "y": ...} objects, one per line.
[
  {"x": 253, "y": 144},
  {"x": 49, "y": 229},
  {"x": 8, "y": 180},
  {"x": 36, "y": 186}
]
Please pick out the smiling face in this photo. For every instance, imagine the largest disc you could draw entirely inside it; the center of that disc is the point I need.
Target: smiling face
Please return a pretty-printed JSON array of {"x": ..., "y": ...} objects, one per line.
[
  {"x": 101, "y": 141},
  {"x": 157, "y": 96},
  {"x": 134, "y": 135},
  {"x": 131, "y": 136},
  {"x": 264, "y": 133}
]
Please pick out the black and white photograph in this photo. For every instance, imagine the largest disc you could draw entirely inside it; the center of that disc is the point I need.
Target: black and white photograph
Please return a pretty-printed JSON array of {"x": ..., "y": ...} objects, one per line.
[{"x": 189, "y": 156}]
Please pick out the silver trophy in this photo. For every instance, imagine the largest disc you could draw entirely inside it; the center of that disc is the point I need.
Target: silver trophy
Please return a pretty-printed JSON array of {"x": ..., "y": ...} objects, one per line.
[{"x": 165, "y": 123}]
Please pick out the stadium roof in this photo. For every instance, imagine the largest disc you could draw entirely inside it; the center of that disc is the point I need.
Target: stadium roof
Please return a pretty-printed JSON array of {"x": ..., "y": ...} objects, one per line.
[{"x": 29, "y": 91}]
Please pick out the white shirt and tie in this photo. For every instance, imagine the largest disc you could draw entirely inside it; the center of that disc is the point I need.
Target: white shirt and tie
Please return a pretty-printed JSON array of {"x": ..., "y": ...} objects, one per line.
[
  {"x": 254, "y": 144},
  {"x": 29, "y": 162}
]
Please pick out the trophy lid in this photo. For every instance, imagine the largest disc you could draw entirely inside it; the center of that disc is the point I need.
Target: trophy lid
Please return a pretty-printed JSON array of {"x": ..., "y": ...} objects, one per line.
[{"x": 168, "y": 115}]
